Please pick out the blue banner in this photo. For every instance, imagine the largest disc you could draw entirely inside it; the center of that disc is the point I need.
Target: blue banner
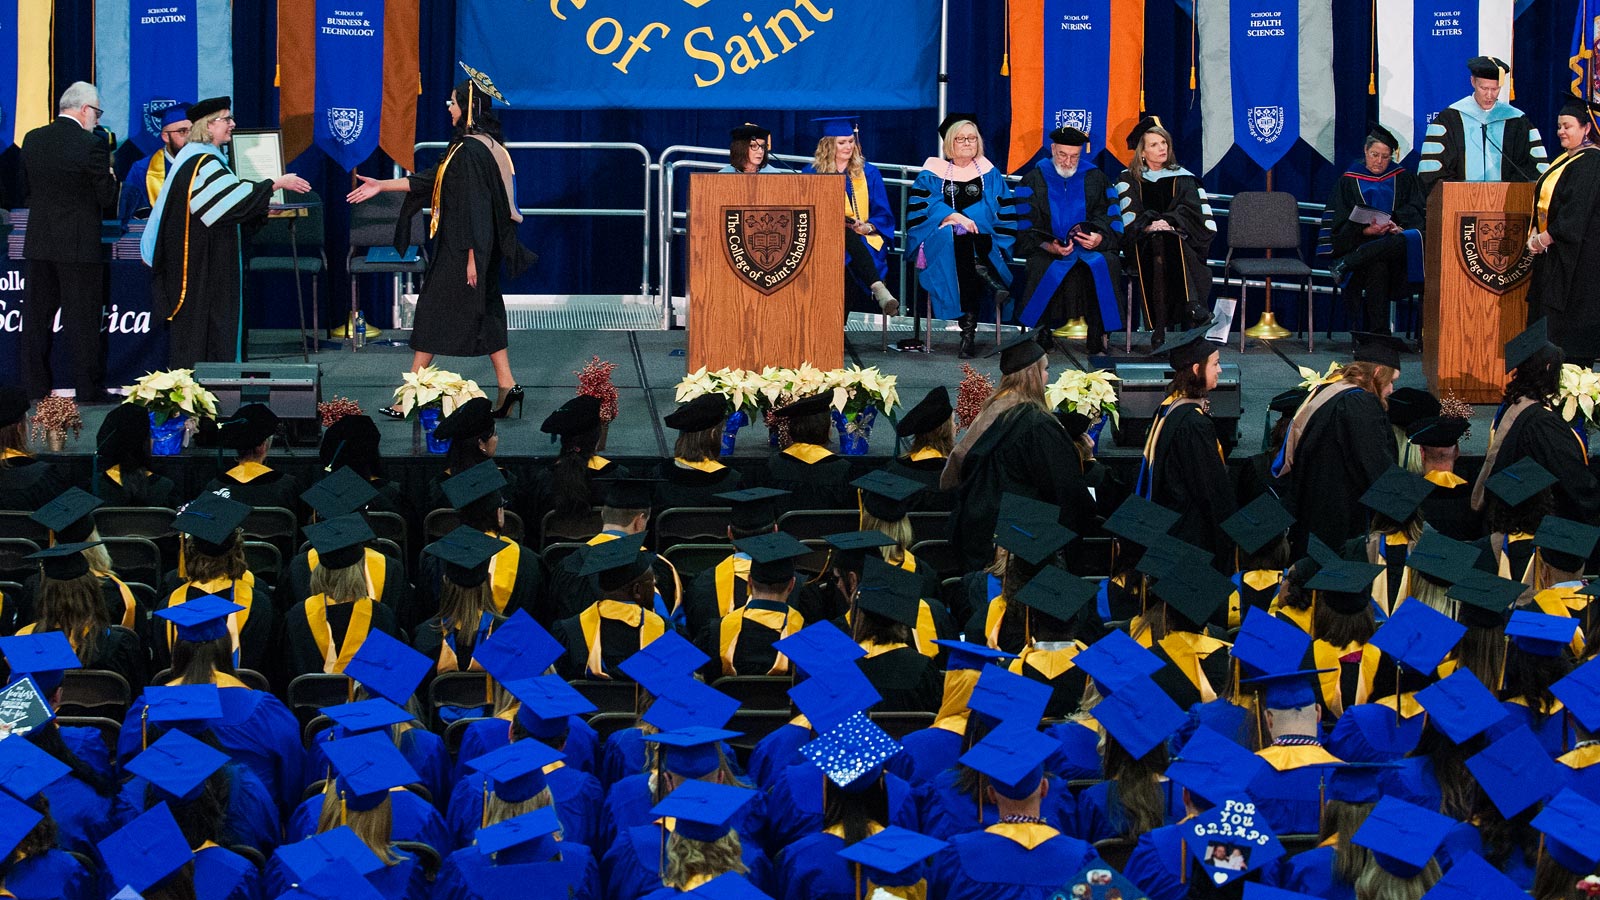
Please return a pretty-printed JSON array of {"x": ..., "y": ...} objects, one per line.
[
  {"x": 1441, "y": 31},
  {"x": 349, "y": 97},
  {"x": 162, "y": 69},
  {"x": 653, "y": 54},
  {"x": 8, "y": 71},
  {"x": 1077, "y": 66},
  {"x": 1265, "y": 63}
]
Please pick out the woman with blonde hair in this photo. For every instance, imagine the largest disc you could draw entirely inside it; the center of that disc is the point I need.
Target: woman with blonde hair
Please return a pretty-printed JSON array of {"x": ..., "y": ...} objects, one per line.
[
  {"x": 868, "y": 220},
  {"x": 212, "y": 563},
  {"x": 702, "y": 844},
  {"x": 1166, "y": 220},
  {"x": 324, "y": 632},
  {"x": 72, "y": 599}
]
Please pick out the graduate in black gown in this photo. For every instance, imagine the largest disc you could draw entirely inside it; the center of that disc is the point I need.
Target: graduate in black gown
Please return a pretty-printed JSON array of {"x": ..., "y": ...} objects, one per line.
[
  {"x": 73, "y": 600},
  {"x": 1057, "y": 628},
  {"x": 695, "y": 474},
  {"x": 345, "y": 493},
  {"x": 248, "y": 433},
  {"x": 932, "y": 431},
  {"x": 474, "y": 438},
  {"x": 26, "y": 483},
  {"x": 618, "y": 625},
  {"x": 1566, "y": 238},
  {"x": 741, "y": 643},
  {"x": 885, "y": 613},
  {"x": 814, "y": 476},
  {"x": 466, "y": 615},
  {"x": 1185, "y": 468},
  {"x": 214, "y": 565},
  {"x": 122, "y": 467},
  {"x": 517, "y": 574},
  {"x": 626, "y": 514},
  {"x": 323, "y": 633},
  {"x": 1448, "y": 509},
  {"x": 568, "y": 488},
  {"x": 354, "y": 441},
  {"x": 720, "y": 589},
  {"x": 1339, "y": 442},
  {"x": 1185, "y": 601}
]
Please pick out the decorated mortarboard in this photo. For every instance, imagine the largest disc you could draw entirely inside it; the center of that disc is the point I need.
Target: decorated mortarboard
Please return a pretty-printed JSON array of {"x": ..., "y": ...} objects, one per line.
[
  {"x": 1069, "y": 137},
  {"x": 338, "y": 880},
  {"x": 703, "y": 412},
  {"x": 852, "y": 754},
  {"x": 1022, "y": 351},
  {"x": 183, "y": 704},
  {"x": 1564, "y": 536},
  {"x": 1115, "y": 660},
  {"x": 1232, "y": 840},
  {"x": 1057, "y": 593},
  {"x": 1140, "y": 521},
  {"x": 1397, "y": 494},
  {"x": 885, "y": 495},
  {"x": 64, "y": 562},
  {"x": 889, "y": 591},
  {"x": 966, "y": 655},
  {"x": 814, "y": 405},
  {"x": 201, "y": 619},
  {"x": 1371, "y": 733},
  {"x": 367, "y": 715},
  {"x": 1007, "y": 697},
  {"x": 1460, "y": 706},
  {"x": 1519, "y": 482},
  {"x": 820, "y": 647},
  {"x": 1215, "y": 768},
  {"x": 1140, "y": 716},
  {"x": 831, "y": 697},
  {"x": 1570, "y": 823},
  {"x": 1258, "y": 523},
  {"x": 950, "y": 121},
  {"x": 516, "y": 770},
  {"x": 1491, "y": 595},
  {"x": 1288, "y": 402},
  {"x": 727, "y": 886},
  {"x": 145, "y": 851},
  {"x": 545, "y": 703},
  {"x": 892, "y": 850},
  {"x": 837, "y": 126},
  {"x": 1013, "y": 757},
  {"x": 391, "y": 669},
  {"x": 932, "y": 411},
  {"x": 367, "y": 766},
  {"x": 1380, "y": 349},
  {"x": 692, "y": 751},
  {"x": 1580, "y": 692},
  {"x": 70, "y": 516},
  {"x": 687, "y": 702},
  {"x": 469, "y": 420},
  {"x": 1189, "y": 348},
  {"x": 1288, "y": 690},
  {"x": 1269, "y": 645},
  {"x": 466, "y": 553},
  {"x": 627, "y": 493},
  {"x": 1438, "y": 431},
  {"x": 1441, "y": 558},
  {"x": 341, "y": 493},
  {"x": 577, "y": 416},
  {"x": 1197, "y": 592},
  {"x": 772, "y": 556},
  {"x": 1417, "y": 636},
  {"x": 304, "y": 859},
  {"x": 25, "y": 769},
  {"x": 212, "y": 519},
  {"x": 178, "y": 765},
  {"x": 1471, "y": 877},
  {"x": 703, "y": 811},
  {"x": 1402, "y": 836},
  {"x": 517, "y": 830},
  {"x": 663, "y": 661},
  {"x": 1408, "y": 404},
  {"x": 1541, "y": 634},
  {"x": 617, "y": 563},
  {"x": 752, "y": 508},
  {"x": 482, "y": 480},
  {"x": 1516, "y": 772}
]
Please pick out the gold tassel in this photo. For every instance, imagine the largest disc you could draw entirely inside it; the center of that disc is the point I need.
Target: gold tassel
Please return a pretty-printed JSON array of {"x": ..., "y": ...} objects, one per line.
[
  {"x": 1005, "y": 72},
  {"x": 344, "y": 809},
  {"x": 1372, "y": 52},
  {"x": 144, "y": 731}
]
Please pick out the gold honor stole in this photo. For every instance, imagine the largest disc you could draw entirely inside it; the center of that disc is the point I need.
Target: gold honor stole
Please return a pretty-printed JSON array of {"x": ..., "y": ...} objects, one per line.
[
  {"x": 1380, "y": 584},
  {"x": 677, "y": 583},
  {"x": 241, "y": 592},
  {"x": 130, "y": 606},
  {"x": 246, "y": 472},
  {"x": 354, "y": 636},
  {"x": 1186, "y": 650},
  {"x": 1028, "y": 834},
  {"x": 1297, "y": 756},
  {"x": 784, "y": 621},
  {"x": 375, "y": 569},
  {"x": 727, "y": 575},
  {"x": 1446, "y": 480},
  {"x": 875, "y": 649},
  {"x": 808, "y": 453},
  {"x": 991, "y": 621},
  {"x": 1256, "y": 580},
  {"x": 598, "y": 462},
  {"x": 1326, "y": 656},
  {"x": 958, "y": 685},
  {"x": 646, "y": 623},
  {"x": 709, "y": 466},
  {"x": 155, "y": 175},
  {"x": 1052, "y": 664},
  {"x": 503, "y": 568},
  {"x": 924, "y": 453}
]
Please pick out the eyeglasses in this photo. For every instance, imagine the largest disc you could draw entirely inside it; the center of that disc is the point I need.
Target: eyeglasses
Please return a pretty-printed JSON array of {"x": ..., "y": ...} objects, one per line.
[
  {"x": 229, "y": 119},
  {"x": 98, "y": 112},
  {"x": 172, "y": 131},
  {"x": 968, "y": 139},
  {"x": 450, "y": 104}
]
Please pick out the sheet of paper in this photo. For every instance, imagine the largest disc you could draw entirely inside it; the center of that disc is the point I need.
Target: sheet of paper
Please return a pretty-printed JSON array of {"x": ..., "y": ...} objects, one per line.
[{"x": 259, "y": 157}]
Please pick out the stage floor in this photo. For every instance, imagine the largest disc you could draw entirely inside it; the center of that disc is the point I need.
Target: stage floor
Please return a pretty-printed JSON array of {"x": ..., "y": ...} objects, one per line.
[{"x": 650, "y": 364}]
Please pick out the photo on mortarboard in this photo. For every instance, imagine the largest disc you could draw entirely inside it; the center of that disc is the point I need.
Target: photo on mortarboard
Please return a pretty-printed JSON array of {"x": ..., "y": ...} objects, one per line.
[{"x": 1098, "y": 881}]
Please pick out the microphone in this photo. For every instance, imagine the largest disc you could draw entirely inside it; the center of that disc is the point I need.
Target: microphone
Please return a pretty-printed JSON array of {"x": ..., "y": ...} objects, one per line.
[{"x": 1505, "y": 158}]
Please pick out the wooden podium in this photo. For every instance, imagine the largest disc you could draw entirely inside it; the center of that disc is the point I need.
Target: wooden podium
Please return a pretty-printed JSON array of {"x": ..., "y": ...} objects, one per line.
[
  {"x": 766, "y": 271},
  {"x": 1477, "y": 283}
]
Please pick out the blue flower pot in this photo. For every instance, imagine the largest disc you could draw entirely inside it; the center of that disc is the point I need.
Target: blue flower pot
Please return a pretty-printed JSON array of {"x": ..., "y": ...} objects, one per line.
[
  {"x": 853, "y": 441},
  {"x": 730, "y": 430},
  {"x": 166, "y": 438},
  {"x": 430, "y": 421},
  {"x": 1095, "y": 429}
]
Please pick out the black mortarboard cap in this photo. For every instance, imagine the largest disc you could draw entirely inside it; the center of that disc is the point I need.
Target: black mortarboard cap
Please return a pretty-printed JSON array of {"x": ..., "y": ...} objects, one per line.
[
  {"x": 248, "y": 427},
  {"x": 931, "y": 412},
  {"x": 1565, "y": 536},
  {"x": 1289, "y": 401},
  {"x": 628, "y": 493},
  {"x": 212, "y": 520},
  {"x": 1381, "y": 349},
  {"x": 748, "y": 131},
  {"x": 1579, "y": 109},
  {"x": 64, "y": 562},
  {"x": 1260, "y": 522},
  {"x": 472, "y": 419},
  {"x": 1524, "y": 346},
  {"x": 1057, "y": 593},
  {"x": 1490, "y": 594},
  {"x": 340, "y": 542},
  {"x": 466, "y": 553},
  {"x": 1196, "y": 592},
  {"x": 203, "y": 108},
  {"x": 1141, "y": 521},
  {"x": 885, "y": 495},
  {"x": 13, "y": 405},
  {"x": 482, "y": 480},
  {"x": 1345, "y": 585},
  {"x": 1030, "y": 534},
  {"x": 1384, "y": 135},
  {"x": 703, "y": 412},
  {"x": 752, "y": 508},
  {"x": 1437, "y": 431},
  {"x": 850, "y": 547},
  {"x": 1488, "y": 67},
  {"x": 1408, "y": 404},
  {"x": 950, "y": 120},
  {"x": 351, "y": 440},
  {"x": 617, "y": 562},
  {"x": 1189, "y": 348},
  {"x": 1519, "y": 482},
  {"x": 1442, "y": 558},
  {"x": 772, "y": 556},
  {"x": 889, "y": 591},
  {"x": 1022, "y": 350},
  {"x": 339, "y": 494},
  {"x": 579, "y": 415},
  {"x": 816, "y": 404},
  {"x": 69, "y": 515},
  {"x": 1069, "y": 136},
  {"x": 1172, "y": 556},
  {"x": 124, "y": 431},
  {"x": 1144, "y": 124}
]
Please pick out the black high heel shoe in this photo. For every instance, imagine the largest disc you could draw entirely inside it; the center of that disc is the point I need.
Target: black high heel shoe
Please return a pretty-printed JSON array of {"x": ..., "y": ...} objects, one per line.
[{"x": 508, "y": 396}]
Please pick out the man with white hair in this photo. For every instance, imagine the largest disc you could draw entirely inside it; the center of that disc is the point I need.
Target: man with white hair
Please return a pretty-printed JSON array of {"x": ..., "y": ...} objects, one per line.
[{"x": 69, "y": 186}]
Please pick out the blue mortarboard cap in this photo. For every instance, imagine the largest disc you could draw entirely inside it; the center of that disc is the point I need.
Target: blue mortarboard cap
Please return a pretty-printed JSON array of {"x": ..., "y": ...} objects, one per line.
[
  {"x": 1580, "y": 692},
  {"x": 1540, "y": 633},
  {"x": 146, "y": 850},
  {"x": 1461, "y": 706},
  {"x": 44, "y": 655},
  {"x": 172, "y": 115},
  {"x": 1008, "y": 697},
  {"x": 389, "y": 668},
  {"x": 518, "y": 830},
  {"x": 516, "y": 770},
  {"x": 964, "y": 655},
  {"x": 703, "y": 810},
  {"x": 306, "y": 858},
  {"x": 819, "y": 647},
  {"x": 1241, "y": 832},
  {"x": 687, "y": 702},
  {"x": 1471, "y": 877},
  {"x": 366, "y": 715},
  {"x": 177, "y": 764},
  {"x": 892, "y": 850},
  {"x": 545, "y": 703},
  {"x": 1140, "y": 716},
  {"x": 1268, "y": 645},
  {"x": 852, "y": 754},
  {"x": 367, "y": 766},
  {"x": 25, "y": 770},
  {"x": 338, "y": 880},
  {"x": 1013, "y": 757},
  {"x": 833, "y": 695},
  {"x": 1115, "y": 660},
  {"x": 1402, "y": 836},
  {"x": 183, "y": 703},
  {"x": 1418, "y": 636},
  {"x": 663, "y": 661},
  {"x": 1515, "y": 771},
  {"x": 1369, "y": 733},
  {"x": 1214, "y": 767},
  {"x": 519, "y": 648},
  {"x": 1571, "y": 826},
  {"x": 201, "y": 619},
  {"x": 692, "y": 752},
  {"x": 17, "y": 819},
  {"x": 1288, "y": 690},
  {"x": 837, "y": 126},
  {"x": 1357, "y": 782},
  {"x": 728, "y": 886}
]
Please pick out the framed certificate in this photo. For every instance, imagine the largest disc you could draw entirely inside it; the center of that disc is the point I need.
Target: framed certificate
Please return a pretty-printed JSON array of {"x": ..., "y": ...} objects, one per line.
[{"x": 258, "y": 156}]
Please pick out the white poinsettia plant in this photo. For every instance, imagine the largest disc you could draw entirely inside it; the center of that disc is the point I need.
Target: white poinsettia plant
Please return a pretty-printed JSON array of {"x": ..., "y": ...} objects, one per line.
[
  {"x": 431, "y": 387},
  {"x": 855, "y": 388},
  {"x": 1092, "y": 394},
  {"x": 1309, "y": 378},
  {"x": 173, "y": 393},
  {"x": 1579, "y": 392},
  {"x": 740, "y": 388}
]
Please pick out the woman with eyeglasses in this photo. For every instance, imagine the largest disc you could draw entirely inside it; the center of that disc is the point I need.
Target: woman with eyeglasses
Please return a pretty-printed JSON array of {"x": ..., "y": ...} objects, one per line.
[
  {"x": 868, "y": 220},
  {"x": 193, "y": 243}
]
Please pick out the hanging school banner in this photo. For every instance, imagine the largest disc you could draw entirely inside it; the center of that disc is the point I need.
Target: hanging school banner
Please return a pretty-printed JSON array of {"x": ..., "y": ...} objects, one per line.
[
  {"x": 152, "y": 54},
  {"x": 1423, "y": 48},
  {"x": 348, "y": 114},
  {"x": 1266, "y": 78},
  {"x": 674, "y": 54},
  {"x": 25, "y": 101},
  {"x": 1074, "y": 63},
  {"x": 1585, "y": 35}
]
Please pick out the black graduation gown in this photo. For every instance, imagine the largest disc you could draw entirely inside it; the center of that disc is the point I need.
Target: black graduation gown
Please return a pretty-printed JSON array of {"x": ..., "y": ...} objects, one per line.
[
  {"x": 1098, "y": 218},
  {"x": 1564, "y": 285},
  {"x": 1346, "y": 445},
  {"x": 1027, "y": 452},
  {"x": 1188, "y": 476},
  {"x": 396, "y": 593},
  {"x": 518, "y": 499},
  {"x": 258, "y": 639},
  {"x": 541, "y": 499},
  {"x": 682, "y": 486},
  {"x": 137, "y": 488},
  {"x": 1171, "y": 679},
  {"x": 27, "y": 483},
  {"x": 1066, "y": 687},
  {"x": 824, "y": 484},
  {"x": 925, "y": 472},
  {"x": 618, "y": 641},
  {"x": 1541, "y": 433},
  {"x": 1448, "y": 510},
  {"x": 753, "y": 653},
  {"x": 473, "y": 215},
  {"x": 907, "y": 680},
  {"x": 429, "y": 638},
  {"x": 1171, "y": 266},
  {"x": 270, "y": 488},
  {"x": 1517, "y": 140},
  {"x": 702, "y": 605},
  {"x": 527, "y": 588},
  {"x": 301, "y": 655}
]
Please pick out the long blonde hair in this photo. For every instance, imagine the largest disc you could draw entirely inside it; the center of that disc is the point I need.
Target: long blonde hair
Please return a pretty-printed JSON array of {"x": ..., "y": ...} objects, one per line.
[
  {"x": 496, "y": 810},
  {"x": 899, "y": 529},
  {"x": 1025, "y": 385},
  {"x": 374, "y": 826},
  {"x": 688, "y": 859},
  {"x": 1376, "y": 883},
  {"x": 340, "y": 585},
  {"x": 822, "y": 160},
  {"x": 198, "y": 133}
]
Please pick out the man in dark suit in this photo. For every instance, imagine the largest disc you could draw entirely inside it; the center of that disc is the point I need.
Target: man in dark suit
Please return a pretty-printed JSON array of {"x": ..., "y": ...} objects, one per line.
[{"x": 67, "y": 170}]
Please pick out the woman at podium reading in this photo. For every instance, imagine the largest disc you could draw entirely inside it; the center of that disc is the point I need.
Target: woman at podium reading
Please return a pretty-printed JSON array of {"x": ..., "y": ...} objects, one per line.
[
  {"x": 1566, "y": 237},
  {"x": 747, "y": 152},
  {"x": 461, "y": 311},
  {"x": 868, "y": 221}
]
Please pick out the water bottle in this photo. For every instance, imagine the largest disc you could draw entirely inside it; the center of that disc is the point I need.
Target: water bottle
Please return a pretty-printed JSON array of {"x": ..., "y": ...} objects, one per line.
[{"x": 360, "y": 331}]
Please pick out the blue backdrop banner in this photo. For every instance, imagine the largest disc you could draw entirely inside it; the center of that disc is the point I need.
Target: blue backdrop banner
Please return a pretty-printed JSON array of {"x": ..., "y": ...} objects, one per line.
[
  {"x": 650, "y": 54},
  {"x": 147, "y": 58},
  {"x": 8, "y": 69},
  {"x": 1077, "y": 66},
  {"x": 349, "y": 94},
  {"x": 1265, "y": 60}
]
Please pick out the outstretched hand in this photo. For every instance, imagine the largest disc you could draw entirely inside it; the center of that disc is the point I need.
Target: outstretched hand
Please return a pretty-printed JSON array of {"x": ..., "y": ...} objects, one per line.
[
  {"x": 292, "y": 182},
  {"x": 366, "y": 190}
]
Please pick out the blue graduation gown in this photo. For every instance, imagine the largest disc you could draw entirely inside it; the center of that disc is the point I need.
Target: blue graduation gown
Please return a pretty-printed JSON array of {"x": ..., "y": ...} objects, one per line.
[
  {"x": 794, "y": 805},
  {"x": 1079, "y": 756},
  {"x": 83, "y": 818},
  {"x": 929, "y": 207},
  {"x": 402, "y": 881},
  {"x": 424, "y": 750},
  {"x": 947, "y": 812},
  {"x": 989, "y": 865},
  {"x": 89, "y": 745},
  {"x": 875, "y": 209},
  {"x": 1310, "y": 872},
  {"x": 414, "y": 819},
  {"x": 52, "y": 875},
  {"x": 812, "y": 869},
  {"x": 1464, "y": 839},
  {"x": 932, "y": 750},
  {"x": 1290, "y": 795},
  {"x": 630, "y": 868},
  {"x": 1159, "y": 862},
  {"x": 577, "y": 796},
  {"x": 487, "y": 735},
  {"x": 221, "y": 874},
  {"x": 578, "y": 874},
  {"x": 629, "y": 802},
  {"x": 1100, "y": 816},
  {"x": 622, "y": 756},
  {"x": 251, "y": 818},
  {"x": 776, "y": 752}
]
